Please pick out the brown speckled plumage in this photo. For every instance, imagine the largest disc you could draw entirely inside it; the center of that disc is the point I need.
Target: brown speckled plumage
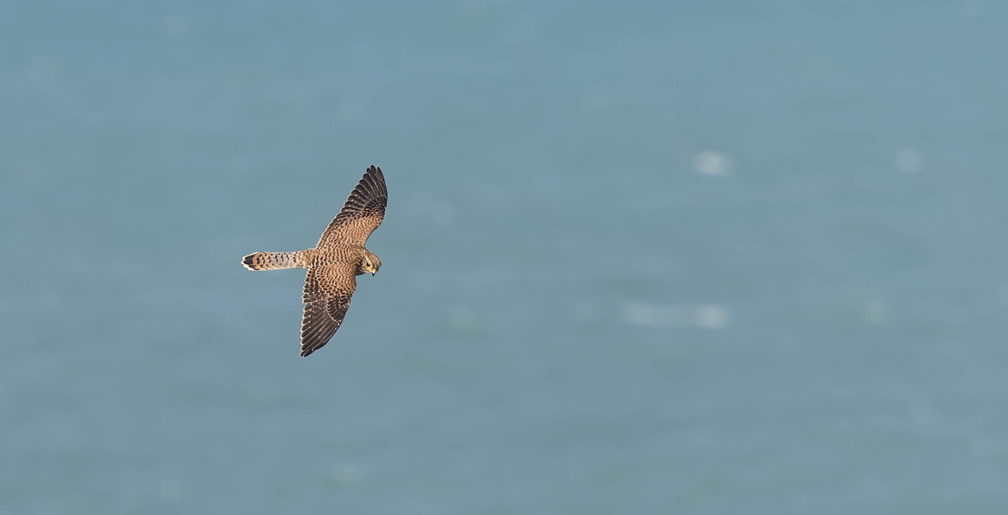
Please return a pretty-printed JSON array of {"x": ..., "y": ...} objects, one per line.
[{"x": 332, "y": 266}]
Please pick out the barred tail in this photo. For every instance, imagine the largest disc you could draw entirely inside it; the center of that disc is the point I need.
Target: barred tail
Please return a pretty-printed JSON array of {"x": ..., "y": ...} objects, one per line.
[{"x": 276, "y": 260}]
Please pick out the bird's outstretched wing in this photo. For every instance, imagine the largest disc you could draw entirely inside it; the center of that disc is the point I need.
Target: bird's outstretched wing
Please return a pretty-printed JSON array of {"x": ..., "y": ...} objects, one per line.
[
  {"x": 327, "y": 293},
  {"x": 362, "y": 212}
]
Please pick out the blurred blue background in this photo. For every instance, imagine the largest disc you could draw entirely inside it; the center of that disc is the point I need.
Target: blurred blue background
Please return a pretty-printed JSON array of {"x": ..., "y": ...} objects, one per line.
[{"x": 694, "y": 257}]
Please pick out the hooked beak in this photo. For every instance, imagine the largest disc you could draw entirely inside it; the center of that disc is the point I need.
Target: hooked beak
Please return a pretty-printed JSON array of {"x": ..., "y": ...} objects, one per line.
[{"x": 373, "y": 272}]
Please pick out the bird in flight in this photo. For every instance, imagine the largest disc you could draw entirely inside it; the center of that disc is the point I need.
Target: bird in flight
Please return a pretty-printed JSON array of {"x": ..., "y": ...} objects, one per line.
[{"x": 335, "y": 261}]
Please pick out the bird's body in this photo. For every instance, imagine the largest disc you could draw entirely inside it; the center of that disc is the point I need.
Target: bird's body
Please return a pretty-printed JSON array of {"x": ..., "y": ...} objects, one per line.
[
  {"x": 335, "y": 262},
  {"x": 331, "y": 256}
]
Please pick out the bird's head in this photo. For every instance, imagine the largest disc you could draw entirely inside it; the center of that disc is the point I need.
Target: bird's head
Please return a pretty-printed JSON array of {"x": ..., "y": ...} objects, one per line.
[{"x": 370, "y": 263}]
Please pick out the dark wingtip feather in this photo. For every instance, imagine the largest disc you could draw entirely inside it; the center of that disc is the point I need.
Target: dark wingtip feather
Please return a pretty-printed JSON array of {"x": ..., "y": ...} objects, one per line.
[
  {"x": 373, "y": 183},
  {"x": 380, "y": 179}
]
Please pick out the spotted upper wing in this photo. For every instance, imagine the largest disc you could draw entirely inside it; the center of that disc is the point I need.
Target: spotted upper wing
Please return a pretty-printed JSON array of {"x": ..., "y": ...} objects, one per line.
[
  {"x": 327, "y": 293},
  {"x": 361, "y": 214}
]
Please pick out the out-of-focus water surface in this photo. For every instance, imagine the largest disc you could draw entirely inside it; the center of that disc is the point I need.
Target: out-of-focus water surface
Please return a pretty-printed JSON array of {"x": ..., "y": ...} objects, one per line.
[{"x": 705, "y": 257}]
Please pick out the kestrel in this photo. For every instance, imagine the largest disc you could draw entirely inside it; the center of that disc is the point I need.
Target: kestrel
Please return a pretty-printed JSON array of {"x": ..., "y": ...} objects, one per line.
[{"x": 335, "y": 261}]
